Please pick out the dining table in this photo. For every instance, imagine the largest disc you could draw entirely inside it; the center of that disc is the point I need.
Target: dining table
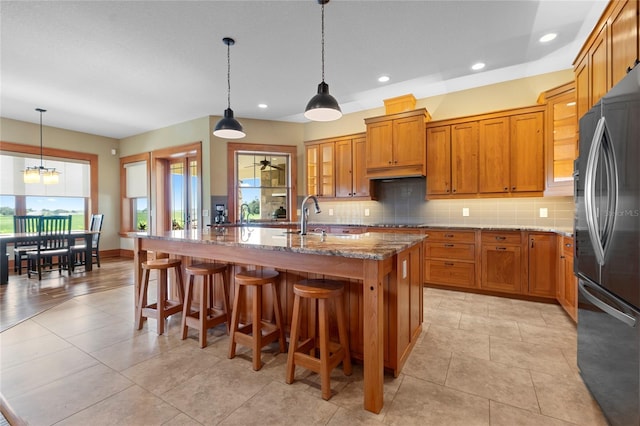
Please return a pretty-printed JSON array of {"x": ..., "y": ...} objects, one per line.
[{"x": 33, "y": 237}]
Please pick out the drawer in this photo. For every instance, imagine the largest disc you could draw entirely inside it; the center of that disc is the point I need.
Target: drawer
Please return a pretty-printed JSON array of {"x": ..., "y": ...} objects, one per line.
[
  {"x": 460, "y": 274},
  {"x": 567, "y": 246},
  {"x": 453, "y": 236},
  {"x": 501, "y": 237},
  {"x": 457, "y": 251}
]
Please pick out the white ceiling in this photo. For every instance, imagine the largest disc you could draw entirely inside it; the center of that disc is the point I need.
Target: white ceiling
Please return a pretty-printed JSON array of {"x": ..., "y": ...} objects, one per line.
[{"x": 120, "y": 68}]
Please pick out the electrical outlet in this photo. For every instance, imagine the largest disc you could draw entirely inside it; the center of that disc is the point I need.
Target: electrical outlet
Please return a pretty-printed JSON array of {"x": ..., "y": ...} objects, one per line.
[
  {"x": 544, "y": 212},
  {"x": 366, "y": 212},
  {"x": 465, "y": 211},
  {"x": 205, "y": 213},
  {"x": 330, "y": 212}
]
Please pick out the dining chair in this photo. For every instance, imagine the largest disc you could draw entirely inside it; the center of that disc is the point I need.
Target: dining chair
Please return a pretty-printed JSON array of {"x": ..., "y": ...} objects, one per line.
[
  {"x": 78, "y": 256},
  {"x": 23, "y": 225},
  {"x": 52, "y": 250}
]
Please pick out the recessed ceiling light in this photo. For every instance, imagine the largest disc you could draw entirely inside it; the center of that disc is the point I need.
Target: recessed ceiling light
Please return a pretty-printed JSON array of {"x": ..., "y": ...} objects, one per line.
[
  {"x": 477, "y": 66},
  {"x": 263, "y": 106},
  {"x": 548, "y": 37},
  {"x": 383, "y": 78}
]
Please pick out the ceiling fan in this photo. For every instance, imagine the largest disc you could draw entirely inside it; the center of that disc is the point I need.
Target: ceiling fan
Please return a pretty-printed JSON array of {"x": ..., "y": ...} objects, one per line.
[{"x": 266, "y": 163}]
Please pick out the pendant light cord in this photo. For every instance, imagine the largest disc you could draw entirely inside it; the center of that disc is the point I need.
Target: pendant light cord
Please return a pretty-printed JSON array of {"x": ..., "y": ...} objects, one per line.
[
  {"x": 322, "y": 42},
  {"x": 40, "y": 110},
  {"x": 228, "y": 76}
]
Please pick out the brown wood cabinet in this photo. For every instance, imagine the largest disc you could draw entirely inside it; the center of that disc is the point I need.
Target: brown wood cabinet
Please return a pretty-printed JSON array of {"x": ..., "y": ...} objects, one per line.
[
  {"x": 450, "y": 258},
  {"x": 335, "y": 167},
  {"x": 321, "y": 168},
  {"x": 541, "y": 264},
  {"x": 498, "y": 154},
  {"x": 612, "y": 48},
  {"x": 511, "y": 154},
  {"x": 566, "y": 281},
  {"x": 502, "y": 264},
  {"x": 452, "y": 159},
  {"x": 351, "y": 180},
  {"x": 396, "y": 144},
  {"x": 561, "y": 139}
]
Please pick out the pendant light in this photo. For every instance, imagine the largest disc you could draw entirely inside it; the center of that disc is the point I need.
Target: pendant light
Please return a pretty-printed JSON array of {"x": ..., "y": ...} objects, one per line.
[
  {"x": 323, "y": 106},
  {"x": 33, "y": 174},
  {"x": 228, "y": 127}
]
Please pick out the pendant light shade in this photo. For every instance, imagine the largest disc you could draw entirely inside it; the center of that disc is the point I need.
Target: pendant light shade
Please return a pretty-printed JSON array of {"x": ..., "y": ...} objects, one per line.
[
  {"x": 228, "y": 127},
  {"x": 50, "y": 176},
  {"x": 323, "y": 106}
]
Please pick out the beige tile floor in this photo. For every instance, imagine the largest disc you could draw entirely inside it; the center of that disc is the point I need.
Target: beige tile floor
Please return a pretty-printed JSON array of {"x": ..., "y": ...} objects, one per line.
[{"x": 480, "y": 360}]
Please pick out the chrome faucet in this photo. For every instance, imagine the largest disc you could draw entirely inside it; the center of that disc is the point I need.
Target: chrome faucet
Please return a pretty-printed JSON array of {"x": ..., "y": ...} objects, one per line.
[
  {"x": 244, "y": 213},
  {"x": 304, "y": 217}
]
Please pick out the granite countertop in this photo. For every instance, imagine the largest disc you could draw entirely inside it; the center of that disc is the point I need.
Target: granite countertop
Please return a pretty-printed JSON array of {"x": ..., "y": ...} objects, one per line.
[{"x": 368, "y": 245}]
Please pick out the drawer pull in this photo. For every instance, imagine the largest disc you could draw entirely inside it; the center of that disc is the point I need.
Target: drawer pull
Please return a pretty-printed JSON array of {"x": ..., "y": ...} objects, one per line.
[
  {"x": 500, "y": 238},
  {"x": 449, "y": 245},
  {"x": 448, "y": 264},
  {"x": 448, "y": 235},
  {"x": 568, "y": 245},
  {"x": 501, "y": 248}
]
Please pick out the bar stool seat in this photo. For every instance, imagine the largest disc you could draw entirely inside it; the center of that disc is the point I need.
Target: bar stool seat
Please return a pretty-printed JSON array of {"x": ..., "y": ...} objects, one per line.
[
  {"x": 319, "y": 291},
  {"x": 164, "y": 307},
  {"x": 259, "y": 332},
  {"x": 208, "y": 316}
]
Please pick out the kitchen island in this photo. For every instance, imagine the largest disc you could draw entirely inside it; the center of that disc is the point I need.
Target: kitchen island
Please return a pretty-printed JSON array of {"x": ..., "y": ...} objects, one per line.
[{"x": 386, "y": 267}]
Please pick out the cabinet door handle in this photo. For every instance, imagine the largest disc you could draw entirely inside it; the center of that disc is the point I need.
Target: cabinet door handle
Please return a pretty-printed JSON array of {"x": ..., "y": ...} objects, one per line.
[
  {"x": 532, "y": 240},
  {"x": 449, "y": 245},
  {"x": 568, "y": 245},
  {"x": 506, "y": 188},
  {"x": 454, "y": 190},
  {"x": 561, "y": 257},
  {"x": 501, "y": 248},
  {"x": 513, "y": 188},
  {"x": 500, "y": 238}
]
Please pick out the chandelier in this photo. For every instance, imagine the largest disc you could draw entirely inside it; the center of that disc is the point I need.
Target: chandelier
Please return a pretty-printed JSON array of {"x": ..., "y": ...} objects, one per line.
[{"x": 33, "y": 174}]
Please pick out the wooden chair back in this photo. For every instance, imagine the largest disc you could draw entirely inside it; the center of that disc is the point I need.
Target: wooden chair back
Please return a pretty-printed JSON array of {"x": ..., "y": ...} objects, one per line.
[
  {"x": 54, "y": 232},
  {"x": 96, "y": 225},
  {"x": 25, "y": 224}
]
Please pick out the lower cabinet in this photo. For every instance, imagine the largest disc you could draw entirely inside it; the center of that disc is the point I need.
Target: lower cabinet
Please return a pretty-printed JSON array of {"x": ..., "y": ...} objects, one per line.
[
  {"x": 502, "y": 264},
  {"x": 450, "y": 258},
  {"x": 566, "y": 282},
  {"x": 542, "y": 264}
]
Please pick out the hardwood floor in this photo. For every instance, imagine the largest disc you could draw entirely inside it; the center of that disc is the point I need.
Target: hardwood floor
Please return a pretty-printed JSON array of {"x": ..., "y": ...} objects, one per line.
[{"x": 23, "y": 298}]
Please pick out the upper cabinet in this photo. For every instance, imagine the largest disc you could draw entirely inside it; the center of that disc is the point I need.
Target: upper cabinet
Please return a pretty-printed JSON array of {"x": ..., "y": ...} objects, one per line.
[
  {"x": 395, "y": 144},
  {"x": 561, "y": 139},
  {"x": 610, "y": 51},
  {"x": 335, "y": 167},
  {"x": 321, "y": 168},
  {"x": 490, "y": 155}
]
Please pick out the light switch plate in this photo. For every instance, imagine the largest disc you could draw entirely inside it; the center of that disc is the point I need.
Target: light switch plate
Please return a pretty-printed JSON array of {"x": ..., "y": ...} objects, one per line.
[
  {"x": 330, "y": 212},
  {"x": 465, "y": 211},
  {"x": 366, "y": 212},
  {"x": 205, "y": 213},
  {"x": 544, "y": 212}
]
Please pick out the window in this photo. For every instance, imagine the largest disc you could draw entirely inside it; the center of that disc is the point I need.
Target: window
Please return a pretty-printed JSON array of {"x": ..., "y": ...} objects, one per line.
[
  {"x": 135, "y": 197},
  {"x": 263, "y": 178},
  {"x": 75, "y": 194}
]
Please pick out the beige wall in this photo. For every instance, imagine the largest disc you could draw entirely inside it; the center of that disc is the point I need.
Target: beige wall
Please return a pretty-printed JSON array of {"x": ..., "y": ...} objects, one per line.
[{"x": 108, "y": 165}]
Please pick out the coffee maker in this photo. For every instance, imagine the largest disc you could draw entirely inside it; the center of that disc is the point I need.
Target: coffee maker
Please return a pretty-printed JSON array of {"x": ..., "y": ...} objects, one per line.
[{"x": 220, "y": 214}]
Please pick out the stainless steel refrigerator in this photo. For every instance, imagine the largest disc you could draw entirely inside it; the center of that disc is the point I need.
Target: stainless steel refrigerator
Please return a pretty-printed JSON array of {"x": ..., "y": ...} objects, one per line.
[{"x": 607, "y": 251}]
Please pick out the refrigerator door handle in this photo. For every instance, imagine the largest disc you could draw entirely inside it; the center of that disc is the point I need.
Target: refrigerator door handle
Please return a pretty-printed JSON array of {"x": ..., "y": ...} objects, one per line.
[
  {"x": 601, "y": 147},
  {"x": 586, "y": 288}
]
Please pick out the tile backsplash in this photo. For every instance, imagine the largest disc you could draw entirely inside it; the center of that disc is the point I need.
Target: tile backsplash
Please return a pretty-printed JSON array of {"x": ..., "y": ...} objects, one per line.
[{"x": 402, "y": 201}]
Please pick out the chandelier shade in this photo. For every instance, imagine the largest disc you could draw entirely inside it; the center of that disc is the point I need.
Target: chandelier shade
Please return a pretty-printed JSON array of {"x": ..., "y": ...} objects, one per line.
[{"x": 34, "y": 174}]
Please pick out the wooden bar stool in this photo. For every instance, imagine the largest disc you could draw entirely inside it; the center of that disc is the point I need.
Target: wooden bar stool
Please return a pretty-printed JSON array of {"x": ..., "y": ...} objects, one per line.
[
  {"x": 319, "y": 291},
  {"x": 208, "y": 316},
  {"x": 163, "y": 306},
  {"x": 251, "y": 334}
]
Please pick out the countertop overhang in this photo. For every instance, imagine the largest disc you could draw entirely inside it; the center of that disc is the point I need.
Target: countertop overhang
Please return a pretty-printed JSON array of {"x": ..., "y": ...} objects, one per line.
[{"x": 367, "y": 245}]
